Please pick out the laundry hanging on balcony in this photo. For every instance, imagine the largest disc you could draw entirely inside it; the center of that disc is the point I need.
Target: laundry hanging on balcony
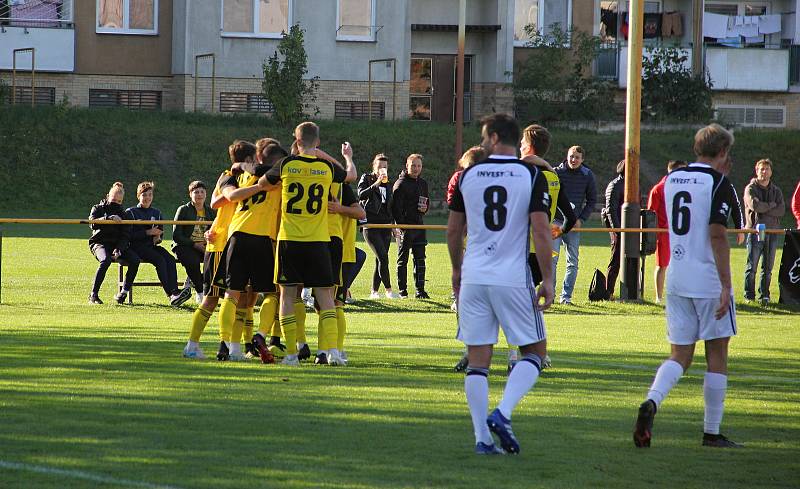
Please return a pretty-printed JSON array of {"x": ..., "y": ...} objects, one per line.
[{"x": 769, "y": 24}]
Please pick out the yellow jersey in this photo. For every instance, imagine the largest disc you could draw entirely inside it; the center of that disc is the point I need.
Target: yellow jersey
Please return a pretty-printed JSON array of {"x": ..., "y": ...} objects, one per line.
[
  {"x": 349, "y": 226},
  {"x": 305, "y": 187},
  {"x": 335, "y": 220},
  {"x": 224, "y": 214},
  {"x": 553, "y": 188},
  {"x": 256, "y": 214}
]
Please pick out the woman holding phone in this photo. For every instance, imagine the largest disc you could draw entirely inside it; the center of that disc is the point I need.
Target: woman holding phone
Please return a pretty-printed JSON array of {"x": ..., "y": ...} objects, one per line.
[{"x": 375, "y": 196}]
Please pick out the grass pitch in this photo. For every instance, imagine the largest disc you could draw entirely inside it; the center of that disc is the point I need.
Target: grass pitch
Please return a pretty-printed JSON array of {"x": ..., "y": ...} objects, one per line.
[{"x": 99, "y": 396}]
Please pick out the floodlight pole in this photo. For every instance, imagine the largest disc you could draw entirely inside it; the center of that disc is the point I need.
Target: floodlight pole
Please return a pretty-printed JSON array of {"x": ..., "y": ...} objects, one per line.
[
  {"x": 462, "y": 37},
  {"x": 698, "y": 66},
  {"x": 631, "y": 211}
]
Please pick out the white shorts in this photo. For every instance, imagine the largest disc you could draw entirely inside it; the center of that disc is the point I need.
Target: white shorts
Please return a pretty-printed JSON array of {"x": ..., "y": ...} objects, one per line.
[
  {"x": 691, "y": 319},
  {"x": 484, "y": 308}
]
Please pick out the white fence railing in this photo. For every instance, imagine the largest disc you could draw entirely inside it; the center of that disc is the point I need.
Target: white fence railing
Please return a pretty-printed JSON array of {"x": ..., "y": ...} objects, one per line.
[{"x": 36, "y": 13}]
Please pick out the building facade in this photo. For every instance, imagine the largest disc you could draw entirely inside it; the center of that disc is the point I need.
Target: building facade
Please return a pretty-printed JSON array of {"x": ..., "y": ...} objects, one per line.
[{"x": 380, "y": 58}]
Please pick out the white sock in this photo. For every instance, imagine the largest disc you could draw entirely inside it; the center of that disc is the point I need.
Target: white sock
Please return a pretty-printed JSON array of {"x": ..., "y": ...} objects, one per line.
[
  {"x": 520, "y": 381},
  {"x": 235, "y": 348},
  {"x": 714, "y": 388},
  {"x": 476, "y": 386},
  {"x": 192, "y": 344},
  {"x": 667, "y": 376}
]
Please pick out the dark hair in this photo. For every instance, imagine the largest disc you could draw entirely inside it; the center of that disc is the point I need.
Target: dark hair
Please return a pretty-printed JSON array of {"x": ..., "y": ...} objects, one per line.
[
  {"x": 538, "y": 137},
  {"x": 197, "y": 184},
  {"x": 673, "y": 164},
  {"x": 241, "y": 150},
  {"x": 505, "y": 126},
  {"x": 272, "y": 152},
  {"x": 262, "y": 143}
]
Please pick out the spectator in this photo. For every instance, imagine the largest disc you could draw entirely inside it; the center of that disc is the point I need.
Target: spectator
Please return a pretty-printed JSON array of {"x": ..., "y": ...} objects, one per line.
[
  {"x": 577, "y": 181},
  {"x": 796, "y": 205},
  {"x": 612, "y": 218},
  {"x": 655, "y": 202},
  {"x": 409, "y": 205},
  {"x": 763, "y": 204},
  {"x": 145, "y": 240},
  {"x": 110, "y": 243},
  {"x": 188, "y": 242},
  {"x": 375, "y": 196}
]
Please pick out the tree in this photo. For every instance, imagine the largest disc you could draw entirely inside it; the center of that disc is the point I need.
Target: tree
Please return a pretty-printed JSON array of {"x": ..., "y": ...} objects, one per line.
[
  {"x": 284, "y": 84},
  {"x": 555, "y": 81},
  {"x": 670, "y": 91}
]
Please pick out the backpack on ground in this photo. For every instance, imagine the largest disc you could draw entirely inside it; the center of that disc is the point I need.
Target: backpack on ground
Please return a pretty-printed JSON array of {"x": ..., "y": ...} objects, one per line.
[{"x": 598, "y": 290}]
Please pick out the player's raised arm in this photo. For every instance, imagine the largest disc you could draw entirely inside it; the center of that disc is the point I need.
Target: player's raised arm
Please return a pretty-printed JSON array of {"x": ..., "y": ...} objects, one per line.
[{"x": 347, "y": 153}]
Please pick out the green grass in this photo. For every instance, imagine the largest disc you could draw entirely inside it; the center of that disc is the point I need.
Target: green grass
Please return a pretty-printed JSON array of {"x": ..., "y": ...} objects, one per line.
[{"x": 102, "y": 391}]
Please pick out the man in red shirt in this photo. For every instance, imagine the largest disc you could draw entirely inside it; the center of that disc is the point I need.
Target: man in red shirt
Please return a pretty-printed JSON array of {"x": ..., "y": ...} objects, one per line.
[{"x": 655, "y": 202}]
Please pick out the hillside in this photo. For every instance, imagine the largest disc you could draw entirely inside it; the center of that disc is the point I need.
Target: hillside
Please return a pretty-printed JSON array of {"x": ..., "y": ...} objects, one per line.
[{"x": 60, "y": 161}]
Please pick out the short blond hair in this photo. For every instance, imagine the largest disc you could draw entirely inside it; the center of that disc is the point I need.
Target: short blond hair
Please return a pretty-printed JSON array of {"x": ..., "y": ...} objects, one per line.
[
  {"x": 144, "y": 187},
  {"x": 764, "y": 161},
  {"x": 307, "y": 133},
  {"x": 475, "y": 154},
  {"x": 712, "y": 140},
  {"x": 414, "y": 156}
]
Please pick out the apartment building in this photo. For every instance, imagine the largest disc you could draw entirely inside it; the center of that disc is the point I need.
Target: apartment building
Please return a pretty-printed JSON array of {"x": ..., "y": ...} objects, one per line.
[{"x": 400, "y": 55}]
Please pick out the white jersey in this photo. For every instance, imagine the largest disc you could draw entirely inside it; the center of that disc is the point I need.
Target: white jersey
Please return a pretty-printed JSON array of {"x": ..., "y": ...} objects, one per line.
[
  {"x": 497, "y": 196},
  {"x": 695, "y": 197}
]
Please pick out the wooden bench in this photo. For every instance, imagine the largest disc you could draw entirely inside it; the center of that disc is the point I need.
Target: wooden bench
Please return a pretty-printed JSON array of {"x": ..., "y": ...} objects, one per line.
[{"x": 121, "y": 279}]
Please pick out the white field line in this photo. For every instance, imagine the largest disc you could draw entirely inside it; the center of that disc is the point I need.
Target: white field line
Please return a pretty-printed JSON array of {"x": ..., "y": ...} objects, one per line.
[{"x": 80, "y": 474}]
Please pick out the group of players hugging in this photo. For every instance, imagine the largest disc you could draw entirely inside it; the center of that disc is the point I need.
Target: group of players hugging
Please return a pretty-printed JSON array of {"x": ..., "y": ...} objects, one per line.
[{"x": 285, "y": 220}]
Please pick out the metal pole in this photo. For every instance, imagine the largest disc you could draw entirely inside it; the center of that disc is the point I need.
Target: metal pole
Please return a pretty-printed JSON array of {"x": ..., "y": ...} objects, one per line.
[
  {"x": 462, "y": 35},
  {"x": 394, "y": 88},
  {"x": 698, "y": 66},
  {"x": 629, "y": 264},
  {"x": 369, "y": 93}
]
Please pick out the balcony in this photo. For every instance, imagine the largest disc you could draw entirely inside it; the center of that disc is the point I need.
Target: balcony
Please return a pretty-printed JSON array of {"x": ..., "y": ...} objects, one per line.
[
  {"x": 738, "y": 69},
  {"x": 44, "y": 25}
]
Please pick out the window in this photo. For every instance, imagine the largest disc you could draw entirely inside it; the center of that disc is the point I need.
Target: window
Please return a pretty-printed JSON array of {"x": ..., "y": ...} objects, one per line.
[
  {"x": 752, "y": 116},
  {"x": 127, "y": 16},
  {"x": 421, "y": 89},
  {"x": 359, "y": 110},
  {"x": 22, "y": 96},
  {"x": 736, "y": 8},
  {"x": 525, "y": 12},
  {"x": 355, "y": 20},
  {"x": 256, "y": 18},
  {"x": 244, "y": 102},
  {"x": 132, "y": 99},
  {"x": 542, "y": 14}
]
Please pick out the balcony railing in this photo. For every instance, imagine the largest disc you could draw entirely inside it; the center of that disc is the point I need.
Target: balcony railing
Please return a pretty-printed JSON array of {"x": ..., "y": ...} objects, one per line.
[{"x": 36, "y": 13}]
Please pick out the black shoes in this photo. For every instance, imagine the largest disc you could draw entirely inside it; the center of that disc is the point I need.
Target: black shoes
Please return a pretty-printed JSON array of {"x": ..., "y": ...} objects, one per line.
[
  {"x": 421, "y": 294},
  {"x": 94, "y": 299},
  {"x": 121, "y": 296},
  {"x": 719, "y": 441},
  {"x": 223, "y": 355},
  {"x": 321, "y": 359},
  {"x": 304, "y": 353},
  {"x": 643, "y": 431}
]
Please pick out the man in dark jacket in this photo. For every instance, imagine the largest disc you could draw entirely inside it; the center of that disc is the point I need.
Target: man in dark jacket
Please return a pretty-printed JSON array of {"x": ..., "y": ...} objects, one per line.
[
  {"x": 612, "y": 218},
  {"x": 409, "y": 204},
  {"x": 188, "y": 241},
  {"x": 110, "y": 243},
  {"x": 577, "y": 182},
  {"x": 763, "y": 204}
]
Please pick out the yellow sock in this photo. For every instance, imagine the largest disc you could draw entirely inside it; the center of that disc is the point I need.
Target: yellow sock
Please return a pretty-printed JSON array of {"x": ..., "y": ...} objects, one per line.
[
  {"x": 341, "y": 323},
  {"x": 238, "y": 326},
  {"x": 266, "y": 316},
  {"x": 248, "y": 325},
  {"x": 300, "y": 316},
  {"x": 227, "y": 316},
  {"x": 276, "y": 326},
  {"x": 322, "y": 340},
  {"x": 329, "y": 327},
  {"x": 289, "y": 326},
  {"x": 199, "y": 320}
]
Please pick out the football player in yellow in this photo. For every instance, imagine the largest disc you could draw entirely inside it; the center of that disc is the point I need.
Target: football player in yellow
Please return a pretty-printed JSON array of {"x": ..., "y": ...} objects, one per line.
[
  {"x": 303, "y": 254},
  {"x": 216, "y": 238},
  {"x": 249, "y": 255}
]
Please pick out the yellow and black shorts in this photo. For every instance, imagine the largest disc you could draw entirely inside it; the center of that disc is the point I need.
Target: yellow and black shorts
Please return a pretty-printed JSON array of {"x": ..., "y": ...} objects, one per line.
[
  {"x": 304, "y": 262},
  {"x": 212, "y": 265}
]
